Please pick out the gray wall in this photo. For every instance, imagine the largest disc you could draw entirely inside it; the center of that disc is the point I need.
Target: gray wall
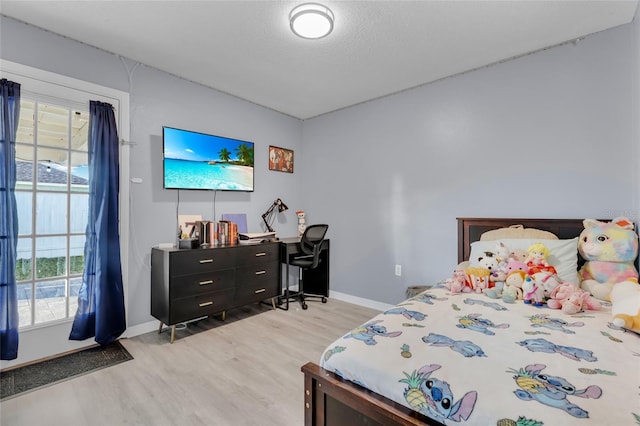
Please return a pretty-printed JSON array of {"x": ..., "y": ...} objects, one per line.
[{"x": 552, "y": 134}]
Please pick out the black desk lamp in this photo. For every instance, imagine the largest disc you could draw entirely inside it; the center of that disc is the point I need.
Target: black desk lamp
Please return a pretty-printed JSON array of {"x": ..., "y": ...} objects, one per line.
[{"x": 270, "y": 214}]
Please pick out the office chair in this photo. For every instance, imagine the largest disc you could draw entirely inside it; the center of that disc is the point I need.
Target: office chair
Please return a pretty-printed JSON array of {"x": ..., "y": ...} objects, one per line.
[{"x": 310, "y": 244}]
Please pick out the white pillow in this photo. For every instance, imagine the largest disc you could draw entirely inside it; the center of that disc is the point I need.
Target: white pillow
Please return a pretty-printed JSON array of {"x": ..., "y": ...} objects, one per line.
[{"x": 563, "y": 254}]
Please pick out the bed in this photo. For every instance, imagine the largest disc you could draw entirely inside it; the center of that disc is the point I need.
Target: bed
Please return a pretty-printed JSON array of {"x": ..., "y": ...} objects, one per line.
[{"x": 441, "y": 358}]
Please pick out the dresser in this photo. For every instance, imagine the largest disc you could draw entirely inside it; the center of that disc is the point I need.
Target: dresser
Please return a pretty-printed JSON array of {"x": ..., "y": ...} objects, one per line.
[{"x": 189, "y": 284}]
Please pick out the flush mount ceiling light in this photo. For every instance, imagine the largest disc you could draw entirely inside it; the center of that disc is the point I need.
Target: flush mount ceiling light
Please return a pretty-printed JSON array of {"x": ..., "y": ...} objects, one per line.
[{"x": 311, "y": 20}]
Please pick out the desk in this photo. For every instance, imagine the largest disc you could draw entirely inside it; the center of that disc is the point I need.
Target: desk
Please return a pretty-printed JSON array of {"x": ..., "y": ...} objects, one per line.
[{"x": 316, "y": 281}]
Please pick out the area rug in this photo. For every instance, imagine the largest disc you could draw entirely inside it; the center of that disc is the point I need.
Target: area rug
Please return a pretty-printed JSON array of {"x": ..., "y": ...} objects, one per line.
[{"x": 33, "y": 376}]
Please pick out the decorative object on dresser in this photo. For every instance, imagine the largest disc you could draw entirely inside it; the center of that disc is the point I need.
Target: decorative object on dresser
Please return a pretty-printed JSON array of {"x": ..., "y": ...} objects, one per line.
[
  {"x": 190, "y": 284},
  {"x": 268, "y": 217}
]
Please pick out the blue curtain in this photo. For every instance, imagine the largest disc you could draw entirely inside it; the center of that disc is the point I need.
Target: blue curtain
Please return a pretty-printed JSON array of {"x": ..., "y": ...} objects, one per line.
[
  {"x": 10, "y": 104},
  {"x": 101, "y": 299}
]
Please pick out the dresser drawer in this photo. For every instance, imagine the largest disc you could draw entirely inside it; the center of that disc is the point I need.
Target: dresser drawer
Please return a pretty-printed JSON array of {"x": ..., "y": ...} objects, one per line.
[
  {"x": 188, "y": 308},
  {"x": 256, "y": 273},
  {"x": 260, "y": 253},
  {"x": 262, "y": 278},
  {"x": 186, "y": 262},
  {"x": 245, "y": 296},
  {"x": 206, "y": 282}
]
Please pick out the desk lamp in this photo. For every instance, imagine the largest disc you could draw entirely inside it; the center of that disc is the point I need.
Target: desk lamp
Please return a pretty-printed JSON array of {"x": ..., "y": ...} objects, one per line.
[{"x": 269, "y": 215}]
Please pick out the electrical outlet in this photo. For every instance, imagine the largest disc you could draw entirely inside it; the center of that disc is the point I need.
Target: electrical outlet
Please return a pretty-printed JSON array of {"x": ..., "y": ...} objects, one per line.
[{"x": 398, "y": 270}]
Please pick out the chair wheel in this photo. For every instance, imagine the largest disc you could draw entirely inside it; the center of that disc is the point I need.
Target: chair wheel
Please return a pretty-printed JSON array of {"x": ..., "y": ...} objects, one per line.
[
  {"x": 304, "y": 306},
  {"x": 324, "y": 300}
]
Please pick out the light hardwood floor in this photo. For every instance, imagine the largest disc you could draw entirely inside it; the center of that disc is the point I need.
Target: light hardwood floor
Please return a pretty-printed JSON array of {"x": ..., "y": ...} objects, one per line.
[{"x": 243, "y": 371}]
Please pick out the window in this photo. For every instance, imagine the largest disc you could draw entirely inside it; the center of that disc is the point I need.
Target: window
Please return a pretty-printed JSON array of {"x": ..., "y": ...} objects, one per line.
[{"x": 52, "y": 198}]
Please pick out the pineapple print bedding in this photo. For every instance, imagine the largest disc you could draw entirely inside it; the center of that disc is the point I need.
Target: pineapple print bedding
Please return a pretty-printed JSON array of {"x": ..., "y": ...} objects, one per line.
[{"x": 468, "y": 359}]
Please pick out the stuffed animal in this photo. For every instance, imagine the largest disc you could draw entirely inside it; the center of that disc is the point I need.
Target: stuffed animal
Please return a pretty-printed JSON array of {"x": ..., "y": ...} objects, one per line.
[
  {"x": 547, "y": 281},
  {"x": 609, "y": 248},
  {"x": 496, "y": 291},
  {"x": 457, "y": 283},
  {"x": 477, "y": 278},
  {"x": 302, "y": 222},
  {"x": 625, "y": 305},
  {"x": 571, "y": 299},
  {"x": 512, "y": 290},
  {"x": 536, "y": 259},
  {"x": 532, "y": 293},
  {"x": 516, "y": 265},
  {"x": 488, "y": 261},
  {"x": 502, "y": 253},
  {"x": 519, "y": 255}
]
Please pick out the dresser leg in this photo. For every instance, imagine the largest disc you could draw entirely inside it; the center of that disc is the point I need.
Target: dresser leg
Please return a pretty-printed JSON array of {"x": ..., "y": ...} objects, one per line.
[
  {"x": 160, "y": 328},
  {"x": 224, "y": 315},
  {"x": 273, "y": 303},
  {"x": 173, "y": 333}
]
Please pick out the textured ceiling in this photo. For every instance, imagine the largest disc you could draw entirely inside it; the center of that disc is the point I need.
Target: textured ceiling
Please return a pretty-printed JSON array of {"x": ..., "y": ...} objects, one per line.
[{"x": 246, "y": 48}]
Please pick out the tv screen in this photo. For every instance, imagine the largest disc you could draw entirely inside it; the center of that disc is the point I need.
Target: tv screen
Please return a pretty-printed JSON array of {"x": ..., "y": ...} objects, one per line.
[{"x": 195, "y": 160}]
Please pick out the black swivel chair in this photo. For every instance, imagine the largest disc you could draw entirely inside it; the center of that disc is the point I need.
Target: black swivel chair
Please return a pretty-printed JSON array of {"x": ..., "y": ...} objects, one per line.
[{"x": 310, "y": 244}]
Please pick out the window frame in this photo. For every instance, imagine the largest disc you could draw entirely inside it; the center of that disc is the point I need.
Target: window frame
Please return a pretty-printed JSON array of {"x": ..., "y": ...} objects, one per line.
[{"x": 43, "y": 86}]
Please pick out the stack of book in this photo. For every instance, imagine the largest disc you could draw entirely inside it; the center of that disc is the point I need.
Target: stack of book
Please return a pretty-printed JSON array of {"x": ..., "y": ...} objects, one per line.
[{"x": 224, "y": 232}]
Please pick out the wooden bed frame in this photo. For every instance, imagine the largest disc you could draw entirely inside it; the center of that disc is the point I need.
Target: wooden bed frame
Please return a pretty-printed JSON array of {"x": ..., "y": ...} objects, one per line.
[{"x": 332, "y": 401}]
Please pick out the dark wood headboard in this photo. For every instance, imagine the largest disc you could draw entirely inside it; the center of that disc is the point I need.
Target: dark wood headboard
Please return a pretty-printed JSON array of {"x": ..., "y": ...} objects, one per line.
[{"x": 471, "y": 228}]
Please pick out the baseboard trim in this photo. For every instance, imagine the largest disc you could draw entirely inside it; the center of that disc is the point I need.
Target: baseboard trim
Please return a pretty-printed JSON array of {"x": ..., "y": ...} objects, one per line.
[
  {"x": 147, "y": 327},
  {"x": 143, "y": 328},
  {"x": 368, "y": 303}
]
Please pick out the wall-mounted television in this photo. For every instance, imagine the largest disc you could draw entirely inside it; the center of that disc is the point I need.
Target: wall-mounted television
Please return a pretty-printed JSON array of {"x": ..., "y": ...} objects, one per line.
[{"x": 195, "y": 160}]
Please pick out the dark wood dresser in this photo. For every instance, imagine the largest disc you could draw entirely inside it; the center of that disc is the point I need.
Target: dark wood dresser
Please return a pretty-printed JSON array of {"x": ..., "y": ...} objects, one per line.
[{"x": 189, "y": 284}]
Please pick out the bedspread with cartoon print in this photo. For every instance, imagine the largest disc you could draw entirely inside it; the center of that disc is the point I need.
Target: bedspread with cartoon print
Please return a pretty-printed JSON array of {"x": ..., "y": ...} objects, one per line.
[{"x": 469, "y": 359}]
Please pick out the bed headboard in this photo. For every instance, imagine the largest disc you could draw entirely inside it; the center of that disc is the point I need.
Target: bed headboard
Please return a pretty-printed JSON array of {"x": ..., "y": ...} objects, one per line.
[{"x": 471, "y": 228}]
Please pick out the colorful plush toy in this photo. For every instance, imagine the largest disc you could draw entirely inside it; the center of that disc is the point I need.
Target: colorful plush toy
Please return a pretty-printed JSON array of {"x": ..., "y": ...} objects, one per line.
[
  {"x": 532, "y": 293},
  {"x": 457, "y": 283},
  {"x": 571, "y": 299},
  {"x": 512, "y": 290},
  {"x": 537, "y": 259},
  {"x": 609, "y": 248},
  {"x": 477, "y": 278},
  {"x": 502, "y": 253},
  {"x": 519, "y": 255},
  {"x": 625, "y": 305}
]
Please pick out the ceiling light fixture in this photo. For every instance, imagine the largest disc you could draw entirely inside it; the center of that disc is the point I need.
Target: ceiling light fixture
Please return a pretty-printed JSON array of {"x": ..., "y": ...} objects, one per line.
[{"x": 311, "y": 20}]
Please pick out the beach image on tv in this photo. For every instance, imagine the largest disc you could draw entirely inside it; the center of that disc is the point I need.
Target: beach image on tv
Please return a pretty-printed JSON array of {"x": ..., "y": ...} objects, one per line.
[{"x": 200, "y": 161}]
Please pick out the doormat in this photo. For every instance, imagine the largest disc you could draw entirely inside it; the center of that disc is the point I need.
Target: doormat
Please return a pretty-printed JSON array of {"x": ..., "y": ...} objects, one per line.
[{"x": 45, "y": 373}]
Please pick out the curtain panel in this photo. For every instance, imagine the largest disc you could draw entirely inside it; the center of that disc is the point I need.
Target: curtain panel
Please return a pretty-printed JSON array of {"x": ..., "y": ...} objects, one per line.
[
  {"x": 101, "y": 298},
  {"x": 10, "y": 104}
]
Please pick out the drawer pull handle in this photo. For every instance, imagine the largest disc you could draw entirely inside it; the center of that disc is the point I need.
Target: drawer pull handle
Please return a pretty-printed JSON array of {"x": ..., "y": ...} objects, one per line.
[
  {"x": 206, "y": 282},
  {"x": 261, "y": 290},
  {"x": 202, "y": 305},
  {"x": 206, "y": 261},
  {"x": 261, "y": 254},
  {"x": 260, "y": 272}
]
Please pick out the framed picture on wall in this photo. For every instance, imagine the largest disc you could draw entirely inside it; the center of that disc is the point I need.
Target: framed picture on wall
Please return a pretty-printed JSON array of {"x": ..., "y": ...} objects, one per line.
[{"x": 280, "y": 159}]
